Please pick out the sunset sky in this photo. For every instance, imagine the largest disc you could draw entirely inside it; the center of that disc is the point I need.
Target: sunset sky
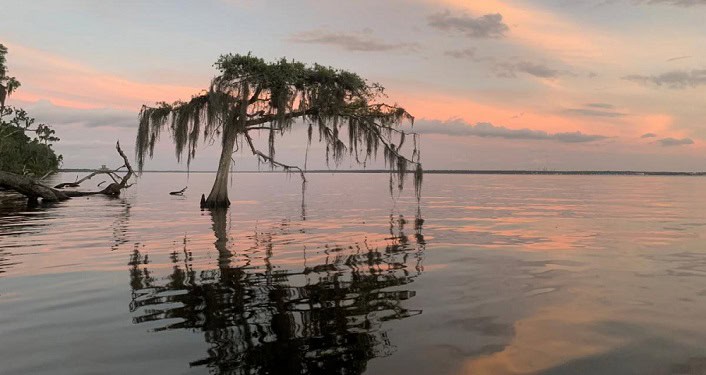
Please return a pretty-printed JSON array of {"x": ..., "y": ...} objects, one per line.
[{"x": 494, "y": 84}]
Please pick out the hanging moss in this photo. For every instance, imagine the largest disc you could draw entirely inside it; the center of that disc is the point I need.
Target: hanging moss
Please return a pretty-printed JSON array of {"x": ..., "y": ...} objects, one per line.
[{"x": 252, "y": 94}]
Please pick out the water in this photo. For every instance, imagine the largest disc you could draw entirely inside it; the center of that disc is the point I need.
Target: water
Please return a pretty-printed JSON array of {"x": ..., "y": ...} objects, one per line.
[{"x": 489, "y": 275}]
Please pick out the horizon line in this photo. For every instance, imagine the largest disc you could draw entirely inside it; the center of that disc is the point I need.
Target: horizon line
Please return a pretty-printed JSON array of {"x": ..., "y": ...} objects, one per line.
[{"x": 443, "y": 171}]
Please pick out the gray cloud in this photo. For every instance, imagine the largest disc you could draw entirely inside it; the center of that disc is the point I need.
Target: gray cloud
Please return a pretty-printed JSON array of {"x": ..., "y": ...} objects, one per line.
[
  {"x": 50, "y": 114},
  {"x": 351, "y": 41},
  {"x": 676, "y": 79},
  {"x": 649, "y": 135},
  {"x": 577, "y": 137},
  {"x": 510, "y": 70},
  {"x": 675, "y": 142},
  {"x": 595, "y": 110},
  {"x": 592, "y": 112},
  {"x": 484, "y": 129},
  {"x": 487, "y": 26},
  {"x": 678, "y": 58},
  {"x": 681, "y": 3},
  {"x": 466, "y": 53},
  {"x": 600, "y": 105},
  {"x": 506, "y": 69}
]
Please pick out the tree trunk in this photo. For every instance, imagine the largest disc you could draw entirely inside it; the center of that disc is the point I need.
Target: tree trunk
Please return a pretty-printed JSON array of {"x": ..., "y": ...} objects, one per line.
[
  {"x": 218, "y": 198},
  {"x": 30, "y": 188}
]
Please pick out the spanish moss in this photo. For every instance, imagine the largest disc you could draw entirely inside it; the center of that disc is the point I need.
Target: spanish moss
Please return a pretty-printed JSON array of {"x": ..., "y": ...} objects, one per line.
[{"x": 250, "y": 94}]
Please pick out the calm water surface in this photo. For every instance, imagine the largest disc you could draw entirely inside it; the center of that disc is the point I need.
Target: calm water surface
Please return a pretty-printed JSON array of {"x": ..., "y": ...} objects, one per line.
[{"x": 489, "y": 275}]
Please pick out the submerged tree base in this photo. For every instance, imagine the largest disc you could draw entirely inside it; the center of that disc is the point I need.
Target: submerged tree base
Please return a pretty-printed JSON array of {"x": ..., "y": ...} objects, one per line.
[{"x": 214, "y": 203}]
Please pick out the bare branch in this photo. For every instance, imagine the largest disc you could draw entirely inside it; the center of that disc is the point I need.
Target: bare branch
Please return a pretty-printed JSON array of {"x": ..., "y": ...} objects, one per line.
[
  {"x": 111, "y": 173},
  {"x": 270, "y": 160}
]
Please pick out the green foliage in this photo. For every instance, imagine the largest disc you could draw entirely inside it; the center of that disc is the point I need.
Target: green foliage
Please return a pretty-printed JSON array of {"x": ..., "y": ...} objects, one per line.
[
  {"x": 22, "y": 154},
  {"x": 251, "y": 94},
  {"x": 7, "y": 84}
]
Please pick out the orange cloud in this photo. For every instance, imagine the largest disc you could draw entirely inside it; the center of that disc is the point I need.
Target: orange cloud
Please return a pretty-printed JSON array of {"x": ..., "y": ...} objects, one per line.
[{"x": 537, "y": 28}]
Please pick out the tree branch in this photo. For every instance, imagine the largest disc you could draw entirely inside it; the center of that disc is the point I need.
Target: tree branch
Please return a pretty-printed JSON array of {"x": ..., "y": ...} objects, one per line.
[
  {"x": 271, "y": 118},
  {"x": 256, "y": 95},
  {"x": 270, "y": 160},
  {"x": 111, "y": 173}
]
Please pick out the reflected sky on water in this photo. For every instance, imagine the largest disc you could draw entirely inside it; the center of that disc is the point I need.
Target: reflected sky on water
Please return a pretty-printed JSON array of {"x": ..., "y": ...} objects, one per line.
[{"x": 488, "y": 275}]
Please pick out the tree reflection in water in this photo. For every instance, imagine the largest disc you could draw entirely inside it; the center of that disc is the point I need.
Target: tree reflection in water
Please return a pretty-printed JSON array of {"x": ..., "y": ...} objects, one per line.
[{"x": 325, "y": 318}]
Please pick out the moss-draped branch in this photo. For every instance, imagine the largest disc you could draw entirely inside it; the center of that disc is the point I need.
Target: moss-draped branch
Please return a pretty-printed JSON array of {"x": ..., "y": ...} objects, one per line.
[{"x": 250, "y": 94}]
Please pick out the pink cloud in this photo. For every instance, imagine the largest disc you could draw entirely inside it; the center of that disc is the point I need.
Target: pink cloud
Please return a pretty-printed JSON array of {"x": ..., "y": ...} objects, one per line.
[{"x": 68, "y": 83}]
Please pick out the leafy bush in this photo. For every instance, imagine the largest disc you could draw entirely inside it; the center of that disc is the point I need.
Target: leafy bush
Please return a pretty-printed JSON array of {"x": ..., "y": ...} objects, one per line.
[{"x": 19, "y": 152}]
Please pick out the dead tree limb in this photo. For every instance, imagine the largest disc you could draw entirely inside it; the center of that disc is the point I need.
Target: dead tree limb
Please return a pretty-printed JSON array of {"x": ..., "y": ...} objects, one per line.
[
  {"x": 35, "y": 190},
  {"x": 115, "y": 187},
  {"x": 111, "y": 173},
  {"x": 268, "y": 159},
  {"x": 179, "y": 192}
]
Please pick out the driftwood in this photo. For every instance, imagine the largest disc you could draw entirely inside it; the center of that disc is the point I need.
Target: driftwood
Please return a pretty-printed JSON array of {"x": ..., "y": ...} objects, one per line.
[
  {"x": 67, "y": 184},
  {"x": 179, "y": 192},
  {"x": 111, "y": 173},
  {"x": 34, "y": 190}
]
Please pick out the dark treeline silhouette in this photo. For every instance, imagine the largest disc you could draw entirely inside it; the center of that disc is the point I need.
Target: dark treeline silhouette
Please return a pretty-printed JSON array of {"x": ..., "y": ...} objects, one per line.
[{"x": 323, "y": 319}]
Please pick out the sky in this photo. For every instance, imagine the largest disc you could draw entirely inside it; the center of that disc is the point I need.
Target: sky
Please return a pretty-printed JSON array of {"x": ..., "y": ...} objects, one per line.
[{"x": 493, "y": 84}]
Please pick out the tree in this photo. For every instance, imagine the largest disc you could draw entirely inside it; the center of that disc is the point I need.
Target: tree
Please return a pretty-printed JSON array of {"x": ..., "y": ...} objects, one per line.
[
  {"x": 7, "y": 84},
  {"x": 19, "y": 153},
  {"x": 251, "y": 95}
]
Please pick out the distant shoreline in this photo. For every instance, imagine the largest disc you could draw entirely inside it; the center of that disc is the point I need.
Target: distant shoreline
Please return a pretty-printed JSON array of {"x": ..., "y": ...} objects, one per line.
[{"x": 453, "y": 171}]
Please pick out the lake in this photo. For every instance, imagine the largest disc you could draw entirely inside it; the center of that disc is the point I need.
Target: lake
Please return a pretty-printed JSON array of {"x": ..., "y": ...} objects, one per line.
[{"x": 486, "y": 275}]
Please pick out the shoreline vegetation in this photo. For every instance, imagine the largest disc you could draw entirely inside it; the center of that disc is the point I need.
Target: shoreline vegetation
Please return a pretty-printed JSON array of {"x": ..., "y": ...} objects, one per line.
[
  {"x": 25, "y": 146},
  {"x": 442, "y": 171}
]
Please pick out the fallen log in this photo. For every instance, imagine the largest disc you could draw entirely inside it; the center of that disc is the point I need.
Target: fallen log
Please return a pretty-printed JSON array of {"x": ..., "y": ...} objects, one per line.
[
  {"x": 34, "y": 190},
  {"x": 30, "y": 188},
  {"x": 179, "y": 192}
]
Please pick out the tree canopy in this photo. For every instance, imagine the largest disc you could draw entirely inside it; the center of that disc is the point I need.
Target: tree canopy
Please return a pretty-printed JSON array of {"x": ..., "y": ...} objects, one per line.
[
  {"x": 21, "y": 153},
  {"x": 7, "y": 84},
  {"x": 250, "y": 94}
]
